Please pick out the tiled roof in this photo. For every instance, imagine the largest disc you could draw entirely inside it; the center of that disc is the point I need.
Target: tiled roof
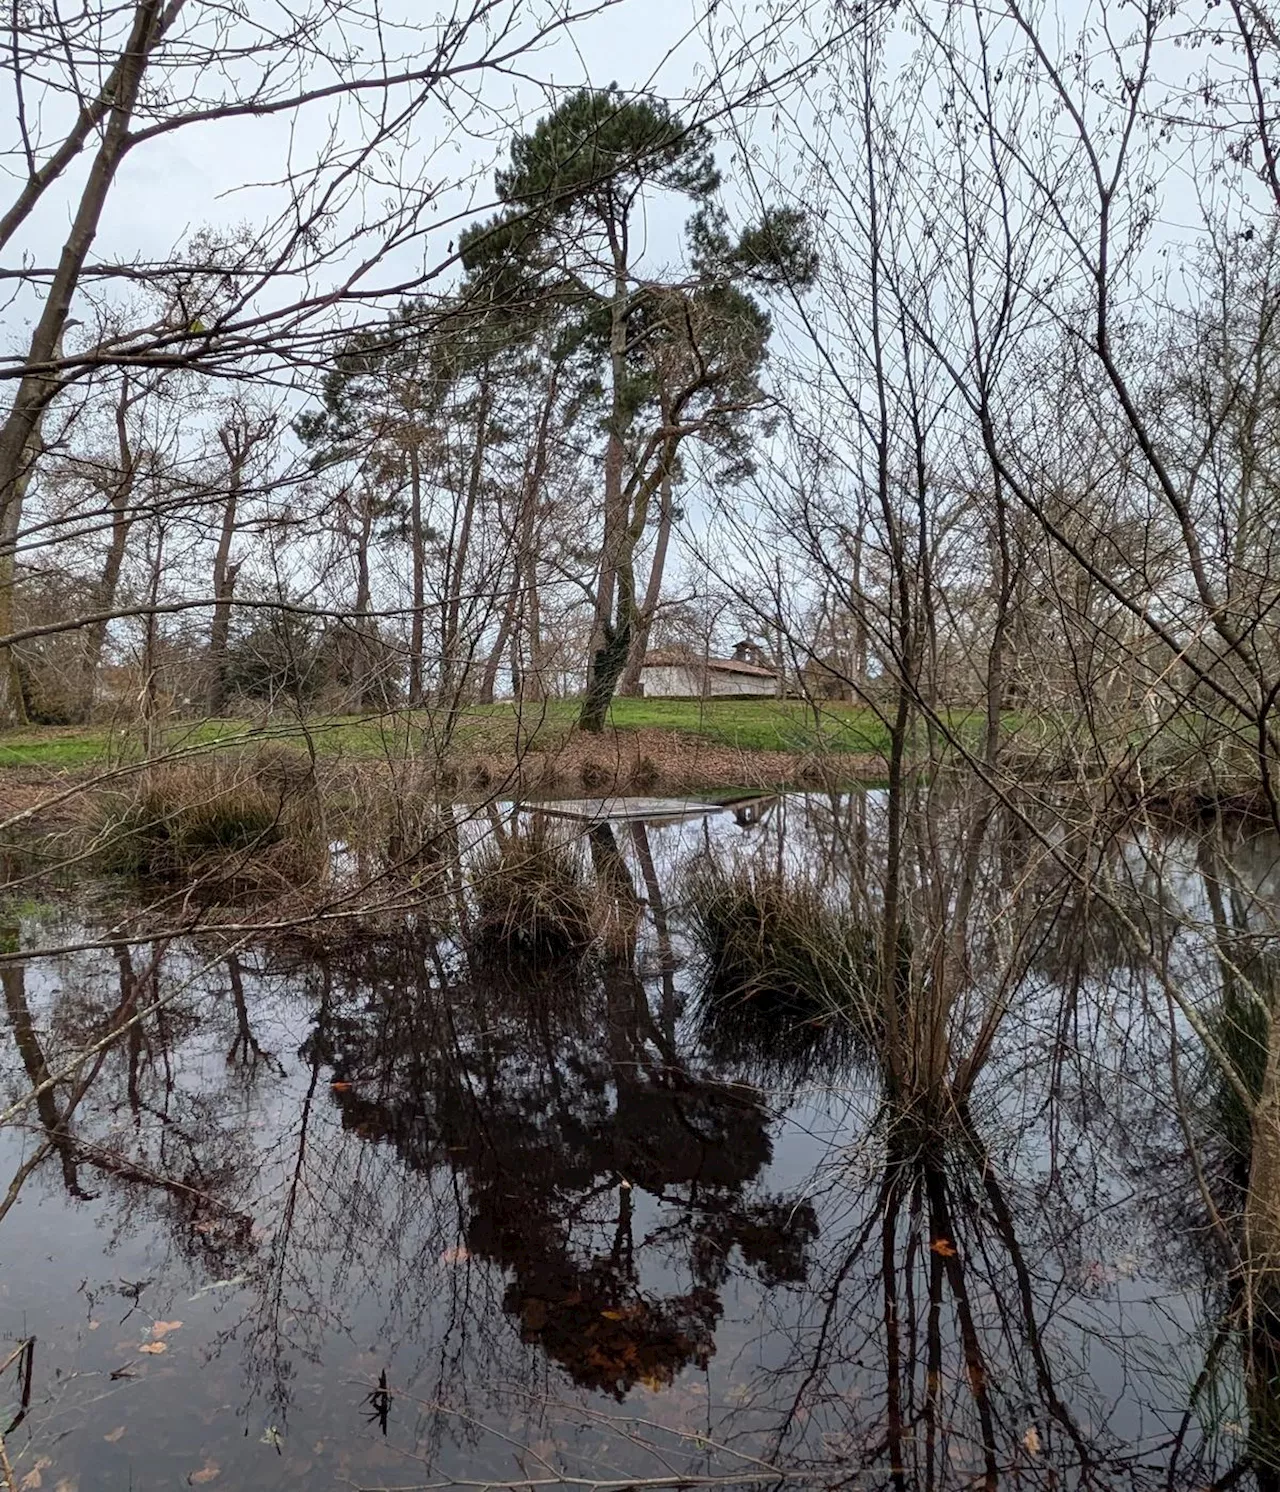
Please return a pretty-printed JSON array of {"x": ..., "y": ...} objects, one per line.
[{"x": 670, "y": 659}]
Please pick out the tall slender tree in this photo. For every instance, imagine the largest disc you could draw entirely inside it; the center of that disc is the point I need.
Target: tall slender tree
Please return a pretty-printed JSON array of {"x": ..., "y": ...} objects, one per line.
[{"x": 572, "y": 194}]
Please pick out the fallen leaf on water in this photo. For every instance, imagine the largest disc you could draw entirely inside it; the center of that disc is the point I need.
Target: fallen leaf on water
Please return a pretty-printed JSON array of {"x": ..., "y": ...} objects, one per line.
[
  {"x": 163, "y": 1328},
  {"x": 153, "y": 1347},
  {"x": 340, "y": 1087},
  {"x": 458, "y": 1254},
  {"x": 209, "y": 1472},
  {"x": 35, "y": 1477},
  {"x": 113, "y": 1435},
  {"x": 94, "y": 1325},
  {"x": 614, "y": 1315},
  {"x": 273, "y": 1437},
  {"x": 945, "y": 1247},
  {"x": 67, "y": 1484},
  {"x": 1031, "y": 1440}
]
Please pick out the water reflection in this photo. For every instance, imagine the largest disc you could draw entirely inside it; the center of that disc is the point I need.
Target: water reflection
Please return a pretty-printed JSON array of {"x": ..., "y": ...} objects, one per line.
[
  {"x": 558, "y": 1107},
  {"x": 420, "y": 1217}
]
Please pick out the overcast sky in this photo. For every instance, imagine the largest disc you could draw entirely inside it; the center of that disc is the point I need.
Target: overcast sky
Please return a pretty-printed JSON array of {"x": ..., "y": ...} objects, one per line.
[{"x": 223, "y": 173}]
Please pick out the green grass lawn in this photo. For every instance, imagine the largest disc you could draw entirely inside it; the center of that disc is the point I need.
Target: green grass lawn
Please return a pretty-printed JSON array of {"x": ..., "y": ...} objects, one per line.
[
  {"x": 758, "y": 724},
  {"x": 748, "y": 724}
]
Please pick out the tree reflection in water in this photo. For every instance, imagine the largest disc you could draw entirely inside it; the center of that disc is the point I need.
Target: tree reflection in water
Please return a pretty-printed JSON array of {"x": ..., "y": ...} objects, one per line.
[
  {"x": 571, "y": 1099},
  {"x": 580, "y": 1209}
]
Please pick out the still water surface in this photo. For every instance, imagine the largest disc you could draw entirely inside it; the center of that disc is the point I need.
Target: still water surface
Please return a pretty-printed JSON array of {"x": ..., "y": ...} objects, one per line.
[{"x": 391, "y": 1218}]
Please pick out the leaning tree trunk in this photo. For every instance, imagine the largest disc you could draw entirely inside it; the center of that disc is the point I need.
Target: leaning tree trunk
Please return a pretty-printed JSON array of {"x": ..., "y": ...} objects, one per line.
[{"x": 506, "y": 628}]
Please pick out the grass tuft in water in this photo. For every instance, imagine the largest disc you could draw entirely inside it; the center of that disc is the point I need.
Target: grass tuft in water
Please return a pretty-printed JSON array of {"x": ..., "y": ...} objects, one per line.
[
  {"x": 194, "y": 818},
  {"x": 775, "y": 950},
  {"x": 532, "y": 899}
]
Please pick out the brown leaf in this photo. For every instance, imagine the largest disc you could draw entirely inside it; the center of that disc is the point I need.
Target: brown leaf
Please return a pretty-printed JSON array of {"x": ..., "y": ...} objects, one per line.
[
  {"x": 163, "y": 1328},
  {"x": 35, "y": 1477},
  {"x": 209, "y": 1472},
  {"x": 456, "y": 1255},
  {"x": 94, "y": 1325},
  {"x": 944, "y": 1247},
  {"x": 113, "y": 1435},
  {"x": 153, "y": 1347},
  {"x": 1031, "y": 1440}
]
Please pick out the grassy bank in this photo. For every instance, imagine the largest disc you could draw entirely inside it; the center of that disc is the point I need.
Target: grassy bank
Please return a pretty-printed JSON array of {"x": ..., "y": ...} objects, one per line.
[{"x": 754, "y": 725}]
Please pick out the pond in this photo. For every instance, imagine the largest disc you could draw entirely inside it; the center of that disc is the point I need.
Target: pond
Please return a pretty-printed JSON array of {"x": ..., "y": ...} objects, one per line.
[{"x": 388, "y": 1214}]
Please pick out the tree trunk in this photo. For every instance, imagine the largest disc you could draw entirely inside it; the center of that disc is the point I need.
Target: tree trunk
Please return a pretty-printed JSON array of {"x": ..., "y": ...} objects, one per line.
[
  {"x": 529, "y": 685},
  {"x": 148, "y": 700},
  {"x": 452, "y": 674},
  {"x": 362, "y": 685},
  {"x": 506, "y": 629},
  {"x": 13, "y": 707},
  {"x": 417, "y": 541},
  {"x": 20, "y": 431},
  {"x": 121, "y": 522},
  {"x": 224, "y": 572},
  {"x": 603, "y": 648},
  {"x": 609, "y": 660},
  {"x": 630, "y": 684}
]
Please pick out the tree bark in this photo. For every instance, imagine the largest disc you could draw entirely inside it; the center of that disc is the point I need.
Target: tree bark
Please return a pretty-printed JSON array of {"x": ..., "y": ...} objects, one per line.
[
  {"x": 506, "y": 629},
  {"x": 363, "y": 692},
  {"x": 452, "y": 675},
  {"x": 605, "y": 660}
]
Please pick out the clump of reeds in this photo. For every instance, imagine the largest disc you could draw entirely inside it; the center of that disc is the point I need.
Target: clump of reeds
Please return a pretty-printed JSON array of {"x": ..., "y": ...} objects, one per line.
[
  {"x": 391, "y": 819},
  {"x": 532, "y": 899},
  {"x": 777, "y": 954},
  {"x": 239, "y": 815}
]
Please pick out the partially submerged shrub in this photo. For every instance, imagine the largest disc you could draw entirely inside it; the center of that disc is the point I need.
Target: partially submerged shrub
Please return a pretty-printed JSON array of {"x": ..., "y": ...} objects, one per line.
[
  {"x": 532, "y": 899},
  {"x": 220, "y": 813},
  {"x": 777, "y": 954}
]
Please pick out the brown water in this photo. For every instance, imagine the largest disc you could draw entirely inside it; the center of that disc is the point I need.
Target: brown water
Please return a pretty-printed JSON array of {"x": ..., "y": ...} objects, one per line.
[{"x": 399, "y": 1220}]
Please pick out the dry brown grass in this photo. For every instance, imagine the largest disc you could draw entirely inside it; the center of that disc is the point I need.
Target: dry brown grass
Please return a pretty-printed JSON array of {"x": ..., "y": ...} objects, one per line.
[
  {"x": 533, "y": 899},
  {"x": 775, "y": 946},
  {"x": 248, "y": 817}
]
